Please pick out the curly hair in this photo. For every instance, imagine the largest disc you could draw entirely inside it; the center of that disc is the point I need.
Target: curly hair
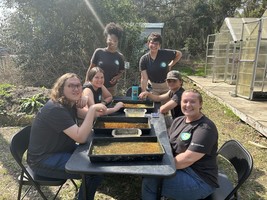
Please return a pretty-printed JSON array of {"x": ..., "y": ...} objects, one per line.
[
  {"x": 57, "y": 94},
  {"x": 92, "y": 72},
  {"x": 113, "y": 28}
]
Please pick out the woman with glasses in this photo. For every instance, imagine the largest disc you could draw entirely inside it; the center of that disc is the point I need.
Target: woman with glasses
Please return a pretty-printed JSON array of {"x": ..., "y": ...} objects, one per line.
[
  {"x": 172, "y": 97},
  {"x": 155, "y": 65},
  {"x": 54, "y": 132}
]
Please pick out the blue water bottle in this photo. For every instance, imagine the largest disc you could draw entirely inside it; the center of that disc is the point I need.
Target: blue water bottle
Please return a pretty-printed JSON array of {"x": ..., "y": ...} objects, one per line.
[{"x": 135, "y": 92}]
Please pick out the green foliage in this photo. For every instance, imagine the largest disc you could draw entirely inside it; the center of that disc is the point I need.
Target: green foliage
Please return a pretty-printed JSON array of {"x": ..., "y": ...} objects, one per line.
[
  {"x": 5, "y": 90},
  {"x": 32, "y": 104}
]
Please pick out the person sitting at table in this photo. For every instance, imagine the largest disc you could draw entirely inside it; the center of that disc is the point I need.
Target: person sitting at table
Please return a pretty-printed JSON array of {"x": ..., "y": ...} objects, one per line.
[
  {"x": 194, "y": 142},
  {"x": 96, "y": 92},
  {"x": 54, "y": 132},
  {"x": 172, "y": 97}
]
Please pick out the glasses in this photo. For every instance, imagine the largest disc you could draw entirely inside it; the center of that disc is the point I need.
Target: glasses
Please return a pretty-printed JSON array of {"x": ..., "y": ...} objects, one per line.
[
  {"x": 75, "y": 86},
  {"x": 171, "y": 81}
]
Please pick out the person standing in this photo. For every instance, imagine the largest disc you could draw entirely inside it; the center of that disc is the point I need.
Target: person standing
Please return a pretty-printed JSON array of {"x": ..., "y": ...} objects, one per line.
[
  {"x": 54, "y": 132},
  {"x": 109, "y": 58},
  {"x": 194, "y": 142},
  {"x": 155, "y": 65}
]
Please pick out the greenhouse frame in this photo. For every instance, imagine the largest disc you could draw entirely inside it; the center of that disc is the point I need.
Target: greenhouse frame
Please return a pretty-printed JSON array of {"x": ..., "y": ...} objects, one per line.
[{"x": 238, "y": 55}]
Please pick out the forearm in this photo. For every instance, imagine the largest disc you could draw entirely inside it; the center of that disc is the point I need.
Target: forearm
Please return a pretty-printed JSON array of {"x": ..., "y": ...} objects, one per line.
[
  {"x": 143, "y": 84},
  {"x": 86, "y": 128}
]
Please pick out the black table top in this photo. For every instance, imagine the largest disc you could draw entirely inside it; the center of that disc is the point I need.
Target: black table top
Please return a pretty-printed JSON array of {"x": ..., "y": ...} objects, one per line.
[{"x": 79, "y": 163}]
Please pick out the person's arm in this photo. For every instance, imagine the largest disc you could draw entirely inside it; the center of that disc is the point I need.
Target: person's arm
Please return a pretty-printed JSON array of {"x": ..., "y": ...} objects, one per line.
[
  {"x": 118, "y": 106},
  {"x": 167, "y": 106},
  {"x": 80, "y": 134},
  {"x": 144, "y": 80},
  {"x": 153, "y": 97},
  {"x": 106, "y": 96},
  {"x": 178, "y": 56},
  {"x": 187, "y": 158},
  {"x": 116, "y": 78}
]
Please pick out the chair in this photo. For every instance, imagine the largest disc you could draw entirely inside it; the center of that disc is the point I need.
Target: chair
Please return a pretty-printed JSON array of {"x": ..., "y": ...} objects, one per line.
[
  {"x": 242, "y": 161},
  {"x": 18, "y": 147}
]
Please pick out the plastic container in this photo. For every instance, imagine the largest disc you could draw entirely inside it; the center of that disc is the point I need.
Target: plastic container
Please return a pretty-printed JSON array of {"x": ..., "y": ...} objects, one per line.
[
  {"x": 135, "y": 92},
  {"x": 127, "y": 132},
  {"x": 132, "y": 112}
]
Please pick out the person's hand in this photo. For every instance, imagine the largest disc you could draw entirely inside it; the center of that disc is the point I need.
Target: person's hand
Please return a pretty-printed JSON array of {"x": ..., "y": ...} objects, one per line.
[
  {"x": 114, "y": 80},
  {"x": 143, "y": 95},
  {"x": 99, "y": 107},
  {"x": 119, "y": 105},
  {"x": 82, "y": 102}
]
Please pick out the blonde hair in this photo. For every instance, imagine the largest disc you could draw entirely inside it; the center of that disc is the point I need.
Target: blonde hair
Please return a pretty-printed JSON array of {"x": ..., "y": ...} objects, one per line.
[{"x": 57, "y": 92}]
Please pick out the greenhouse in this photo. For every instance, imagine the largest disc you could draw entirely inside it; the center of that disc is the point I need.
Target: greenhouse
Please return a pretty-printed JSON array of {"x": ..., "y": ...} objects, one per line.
[{"x": 238, "y": 55}]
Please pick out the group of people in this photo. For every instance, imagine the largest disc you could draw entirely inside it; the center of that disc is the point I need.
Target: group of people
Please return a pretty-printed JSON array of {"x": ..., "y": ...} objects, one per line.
[{"x": 55, "y": 133}]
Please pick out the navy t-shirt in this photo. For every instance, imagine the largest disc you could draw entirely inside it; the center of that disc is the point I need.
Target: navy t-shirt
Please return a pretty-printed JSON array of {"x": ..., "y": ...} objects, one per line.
[
  {"x": 198, "y": 136},
  {"x": 157, "y": 69},
  {"x": 110, "y": 62}
]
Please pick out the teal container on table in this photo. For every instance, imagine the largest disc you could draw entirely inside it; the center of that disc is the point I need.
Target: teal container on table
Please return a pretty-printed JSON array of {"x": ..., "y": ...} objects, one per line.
[{"x": 135, "y": 92}]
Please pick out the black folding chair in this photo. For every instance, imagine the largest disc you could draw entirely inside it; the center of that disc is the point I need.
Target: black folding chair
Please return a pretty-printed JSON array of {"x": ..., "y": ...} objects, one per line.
[
  {"x": 242, "y": 161},
  {"x": 18, "y": 146}
]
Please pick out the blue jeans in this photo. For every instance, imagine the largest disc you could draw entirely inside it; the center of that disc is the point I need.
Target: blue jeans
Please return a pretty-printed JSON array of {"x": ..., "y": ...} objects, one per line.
[
  {"x": 185, "y": 185},
  {"x": 54, "y": 167}
]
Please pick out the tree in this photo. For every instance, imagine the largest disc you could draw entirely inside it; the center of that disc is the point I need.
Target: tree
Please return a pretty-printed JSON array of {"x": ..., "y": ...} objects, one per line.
[{"x": 55, "y": 36}]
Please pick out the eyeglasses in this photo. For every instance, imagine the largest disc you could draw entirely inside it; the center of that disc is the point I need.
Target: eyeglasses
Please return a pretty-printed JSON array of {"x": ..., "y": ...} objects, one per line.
[
  {"x": 75, "y": 86},
  {"x": 171, "y": 80}
]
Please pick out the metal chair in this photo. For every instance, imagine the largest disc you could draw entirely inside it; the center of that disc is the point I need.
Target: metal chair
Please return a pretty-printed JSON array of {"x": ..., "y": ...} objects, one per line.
[
  {"x": 18, "y": 146},
  {"x": 242, "y": 161}
]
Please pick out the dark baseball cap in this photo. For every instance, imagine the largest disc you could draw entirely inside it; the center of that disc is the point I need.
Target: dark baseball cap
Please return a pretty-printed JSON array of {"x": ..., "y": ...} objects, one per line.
[{"x": 174, "y": 75}]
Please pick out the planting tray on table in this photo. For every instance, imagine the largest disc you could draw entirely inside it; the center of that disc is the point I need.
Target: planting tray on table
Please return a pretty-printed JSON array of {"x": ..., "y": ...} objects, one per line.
[
  {"x": 104, "y": 125},
  {"x": 108, "y": 149}
]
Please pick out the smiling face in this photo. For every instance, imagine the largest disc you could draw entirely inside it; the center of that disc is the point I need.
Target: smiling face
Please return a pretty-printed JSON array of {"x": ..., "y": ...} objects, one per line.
[
  {"x": 72, "y": 89},
  {"x": 112, "y": 42},
  {"x": 191, "y": 105},
  {"x": 98, "y": 80},
  {"x": 153, "y": 46}
]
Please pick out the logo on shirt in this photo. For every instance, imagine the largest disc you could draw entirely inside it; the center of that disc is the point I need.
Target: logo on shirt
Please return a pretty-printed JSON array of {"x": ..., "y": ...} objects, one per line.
[
  {"x": 163, "y": 64},
  {"x": 117, "y": 62},
  {"x": 100, "y": 63},
  {"x": 185, "y": 136},
  {"x": 100, "y": 97}
]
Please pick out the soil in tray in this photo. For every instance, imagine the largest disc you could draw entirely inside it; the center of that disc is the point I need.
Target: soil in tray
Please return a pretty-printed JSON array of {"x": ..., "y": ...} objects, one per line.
[
  {"x": 120, "y": 148},
  {"x": 121, "y": 125},
  {"x": 138, "y": 105}
]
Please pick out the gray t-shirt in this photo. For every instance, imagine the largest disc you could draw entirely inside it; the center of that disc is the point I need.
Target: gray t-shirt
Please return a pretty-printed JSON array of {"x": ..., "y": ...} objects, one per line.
[
  {"x": 198, "y": 136},
  {"x": 47, "y": 136}
]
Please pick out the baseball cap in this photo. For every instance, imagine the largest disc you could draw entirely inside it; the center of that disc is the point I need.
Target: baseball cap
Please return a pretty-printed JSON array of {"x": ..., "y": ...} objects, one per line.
[{"x": 174, "y": 75}]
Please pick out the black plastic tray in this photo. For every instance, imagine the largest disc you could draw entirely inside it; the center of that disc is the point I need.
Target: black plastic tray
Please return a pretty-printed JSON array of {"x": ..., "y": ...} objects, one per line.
[
  {"x": 146, "y": 104},
  {"x": 157, "y": 156},
  {"x": 98, "y": 129}
]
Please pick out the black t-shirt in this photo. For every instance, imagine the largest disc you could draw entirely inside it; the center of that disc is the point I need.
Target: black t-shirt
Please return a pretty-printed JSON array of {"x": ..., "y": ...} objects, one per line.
[
  {"x": 97, "y": 93},
  {"x": 198, "y": 136},
  {"x": 110, "y": 62},
  {"x": 157, "y": 69},
  {"x": 176, "y": 111},
  {"x": 47, "y": 136}
]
